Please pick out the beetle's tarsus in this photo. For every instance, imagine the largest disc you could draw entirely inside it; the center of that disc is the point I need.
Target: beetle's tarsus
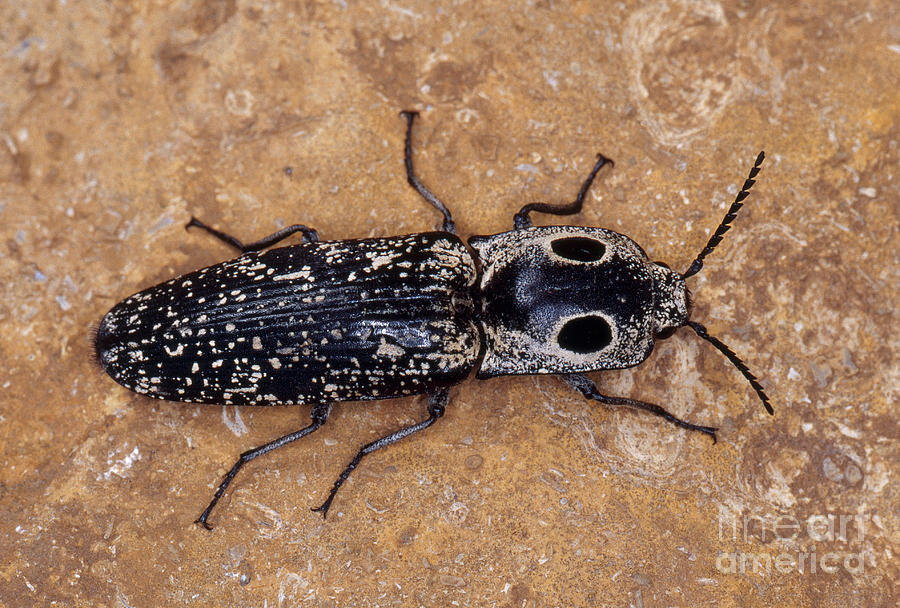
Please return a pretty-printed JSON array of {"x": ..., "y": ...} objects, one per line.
[
  {"x": 323, "y": 508},
  {"x": 202, "y": 521}
]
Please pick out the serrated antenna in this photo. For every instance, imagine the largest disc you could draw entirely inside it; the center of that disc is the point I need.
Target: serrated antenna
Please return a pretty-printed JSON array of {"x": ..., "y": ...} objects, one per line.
[
  {"x": 736, "y": 361},
  {"x": 725, "y": 225}
]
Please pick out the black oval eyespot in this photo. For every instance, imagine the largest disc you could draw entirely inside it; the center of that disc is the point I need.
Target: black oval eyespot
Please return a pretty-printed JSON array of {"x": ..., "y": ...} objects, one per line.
[
  {"x": 578, "y": 248},
  {"x": 585, "y": 335}
]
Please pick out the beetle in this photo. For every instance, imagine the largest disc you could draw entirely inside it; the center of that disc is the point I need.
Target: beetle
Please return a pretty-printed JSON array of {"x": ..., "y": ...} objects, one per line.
[{"x": 351, "y": 320}]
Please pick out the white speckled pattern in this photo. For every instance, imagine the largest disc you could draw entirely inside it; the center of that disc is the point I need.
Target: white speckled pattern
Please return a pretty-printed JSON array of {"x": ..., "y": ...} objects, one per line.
[{"x": 325, "y": 321}]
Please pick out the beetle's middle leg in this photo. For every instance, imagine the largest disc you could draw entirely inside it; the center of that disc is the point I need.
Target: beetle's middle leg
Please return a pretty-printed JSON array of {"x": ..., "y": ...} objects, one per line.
[
  {"x": 319, "y": 415},
  {"x": 309, "y": 236},
  {"x": 448, "y": 224},
  {"x": 586, "y": 387},
  {"x": 521, "y": 219},
  {"x": 437, "y": 402}
]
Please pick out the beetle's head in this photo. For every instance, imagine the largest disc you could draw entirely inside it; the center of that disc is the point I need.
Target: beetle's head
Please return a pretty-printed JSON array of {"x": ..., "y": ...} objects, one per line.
[{"x": 671, "y": 300}]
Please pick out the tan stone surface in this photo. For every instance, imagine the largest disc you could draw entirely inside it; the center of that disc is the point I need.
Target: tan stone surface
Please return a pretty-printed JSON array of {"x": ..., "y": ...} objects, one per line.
[{"x": 118, "y": 123}]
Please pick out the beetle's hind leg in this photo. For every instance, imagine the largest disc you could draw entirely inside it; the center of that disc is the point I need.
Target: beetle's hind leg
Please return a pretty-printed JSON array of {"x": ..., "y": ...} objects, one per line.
[
  {"x": 586, "y": 387},
  {"x": 319, "y": 415},
  {"x": 521, "y": 219},
  {"x": 448, "y": 225},
  {"x": 437, "y": 402},
  {"x": 309, "y": 236}
]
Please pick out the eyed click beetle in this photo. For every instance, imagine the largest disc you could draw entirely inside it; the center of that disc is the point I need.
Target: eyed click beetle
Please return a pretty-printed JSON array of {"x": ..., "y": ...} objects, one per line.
[{"x": 377, "y": 318}]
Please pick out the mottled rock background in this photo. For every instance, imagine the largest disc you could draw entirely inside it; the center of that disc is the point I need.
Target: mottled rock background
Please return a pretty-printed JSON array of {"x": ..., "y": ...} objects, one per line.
[{"x": 118, "y": 123}]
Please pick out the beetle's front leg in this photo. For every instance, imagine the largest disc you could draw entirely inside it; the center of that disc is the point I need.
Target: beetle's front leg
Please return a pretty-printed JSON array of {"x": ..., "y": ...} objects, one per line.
[
  {"x": 586, "y": 387},
  {"x": 521, "y": 219}
]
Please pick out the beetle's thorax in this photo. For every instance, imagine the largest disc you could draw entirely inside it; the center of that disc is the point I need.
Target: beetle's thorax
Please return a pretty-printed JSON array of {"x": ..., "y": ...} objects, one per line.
[{"x": 563, "y": 299}]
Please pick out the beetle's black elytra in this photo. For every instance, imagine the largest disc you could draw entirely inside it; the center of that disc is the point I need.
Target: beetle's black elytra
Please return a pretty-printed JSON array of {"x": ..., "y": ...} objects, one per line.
[{"x": 327, "y": 321}]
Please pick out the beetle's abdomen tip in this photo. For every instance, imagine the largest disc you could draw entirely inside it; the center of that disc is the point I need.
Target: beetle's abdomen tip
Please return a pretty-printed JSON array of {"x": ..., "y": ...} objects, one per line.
[
  {"x": 118, "y": 353},
  {"x": 104, "y": 339},
  {"x": 108, "y": 345}
]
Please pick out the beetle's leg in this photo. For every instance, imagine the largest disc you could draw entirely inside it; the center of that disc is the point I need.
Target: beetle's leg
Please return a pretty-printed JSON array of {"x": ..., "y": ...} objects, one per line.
[
  {"x": 437, "y": 402},
  {"x": 319, "y": 415},
  {"x": 428, "y": 195},
  {"x": 521, "y": 219},
  {"x": 309, "y": 236},
  {"x": 586, "y": 387}
]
